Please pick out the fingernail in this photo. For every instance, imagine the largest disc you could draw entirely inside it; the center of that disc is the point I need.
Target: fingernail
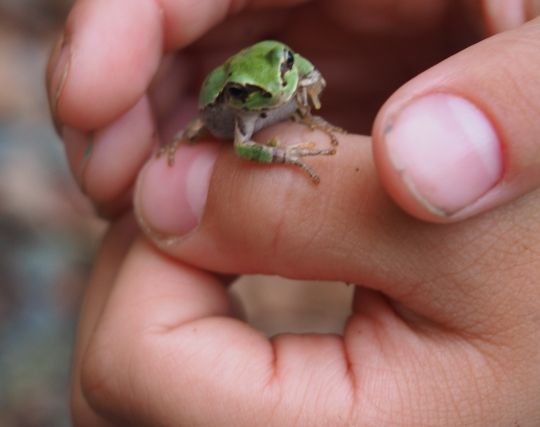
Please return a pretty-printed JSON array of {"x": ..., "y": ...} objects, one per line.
[
  {"x": 57, "y": 71},
  {"x": 170, "y": 200},
  {"x": 446, "y": 151},
  {"x": 532, "y": 8}
]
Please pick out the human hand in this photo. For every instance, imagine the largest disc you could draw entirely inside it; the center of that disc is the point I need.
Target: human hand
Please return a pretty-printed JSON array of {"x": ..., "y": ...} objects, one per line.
[
  {"x": 443, "y": 330},
  {"x": 111, "y": 108},
  {"x": 223, "y": 241}
]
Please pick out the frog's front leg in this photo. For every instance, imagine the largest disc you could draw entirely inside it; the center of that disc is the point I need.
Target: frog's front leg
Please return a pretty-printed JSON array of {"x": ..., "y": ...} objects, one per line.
[
  {"x": 190, "y": 135},
  {"x": 273, "y": 151},
  {"x": 307, "y": 97}
]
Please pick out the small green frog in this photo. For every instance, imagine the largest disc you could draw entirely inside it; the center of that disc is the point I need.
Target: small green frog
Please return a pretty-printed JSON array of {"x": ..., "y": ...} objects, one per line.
[{"x": 263, "y": 84}]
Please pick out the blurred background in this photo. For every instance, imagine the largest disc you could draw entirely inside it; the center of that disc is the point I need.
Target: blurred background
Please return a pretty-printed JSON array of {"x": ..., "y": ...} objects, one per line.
[{"x": 48, "y": 237}]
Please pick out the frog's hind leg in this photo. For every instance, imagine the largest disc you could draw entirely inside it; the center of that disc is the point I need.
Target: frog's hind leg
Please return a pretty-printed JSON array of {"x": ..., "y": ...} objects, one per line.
[
  {"x": 318, "y": 123},
  {"x": 274, "y": 152},
  {"x": 189, "y": 135}
]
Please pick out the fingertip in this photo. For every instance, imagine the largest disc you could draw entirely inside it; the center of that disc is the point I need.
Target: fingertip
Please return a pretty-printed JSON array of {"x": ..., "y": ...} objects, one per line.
[
  {"x": 504, "y": 15},
  {"x": 105, "y": 163},
  {"x": 170, "y": 200},
  {"x": 110, "y": 51},
  {"x": 119, "y": 151},
  {"x": 185, "y": 21}
]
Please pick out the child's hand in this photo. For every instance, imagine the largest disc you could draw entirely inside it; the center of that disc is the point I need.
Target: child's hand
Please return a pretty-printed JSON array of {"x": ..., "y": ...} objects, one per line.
[
  {"x": 444, "y": 330},
  {"x": 445, "y": 324}
]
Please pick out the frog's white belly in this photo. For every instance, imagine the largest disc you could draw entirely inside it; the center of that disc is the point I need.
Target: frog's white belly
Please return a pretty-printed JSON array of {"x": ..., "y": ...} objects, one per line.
[{"x": 220, "y": 119}]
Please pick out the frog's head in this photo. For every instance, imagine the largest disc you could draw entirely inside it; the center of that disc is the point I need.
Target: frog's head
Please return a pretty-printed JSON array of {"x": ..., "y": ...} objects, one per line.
[{"x": 265, "y": 75}]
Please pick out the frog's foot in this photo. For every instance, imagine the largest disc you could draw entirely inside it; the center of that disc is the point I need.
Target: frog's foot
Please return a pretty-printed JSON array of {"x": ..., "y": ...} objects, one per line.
[
  {"x": 318, "y": 123},
  {"x": 293, "y": 155},
  {"x": 188, "y": 136},
  {"x": 169, "y": 150},
  {"x": 274, "y": 152}
]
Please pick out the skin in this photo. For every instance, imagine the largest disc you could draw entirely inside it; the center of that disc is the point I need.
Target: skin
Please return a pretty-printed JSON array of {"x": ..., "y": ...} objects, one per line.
[
  {"x": 263, "y": 84},
  {"x": 444, "y": 329}
]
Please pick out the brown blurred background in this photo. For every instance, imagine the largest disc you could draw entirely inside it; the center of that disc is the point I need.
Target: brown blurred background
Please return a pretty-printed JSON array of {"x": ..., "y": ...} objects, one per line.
[{"x": 48, "y": 237}]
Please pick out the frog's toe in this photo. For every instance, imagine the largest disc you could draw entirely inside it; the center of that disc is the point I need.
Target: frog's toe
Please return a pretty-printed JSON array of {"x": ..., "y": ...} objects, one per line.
[
  {"x": 306, "y": 168},
  {"x": 306, "y": 145},
  {"x": 169, "y": 151},
  {"x": 309, "y": 149},
  {"x": 274, "y": 142}
]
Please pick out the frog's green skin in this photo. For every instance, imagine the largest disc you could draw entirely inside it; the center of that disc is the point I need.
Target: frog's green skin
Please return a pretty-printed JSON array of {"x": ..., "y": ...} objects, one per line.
[
  {"x": 270, "y": 68},
  {"x": 261, "y": 85}
]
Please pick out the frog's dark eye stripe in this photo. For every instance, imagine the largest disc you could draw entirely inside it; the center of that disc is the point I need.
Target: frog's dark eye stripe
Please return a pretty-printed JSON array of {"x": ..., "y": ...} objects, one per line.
[
  {"x": 242, "y": 93},
  {"x": 290, "y": 59},
  {"x": 238, "y": 92},
  {"x": 286, "y": 66}
]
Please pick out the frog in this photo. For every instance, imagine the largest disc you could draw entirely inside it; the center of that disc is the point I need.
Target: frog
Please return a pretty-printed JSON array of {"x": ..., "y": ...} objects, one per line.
[{"x": 263, "y": 84}]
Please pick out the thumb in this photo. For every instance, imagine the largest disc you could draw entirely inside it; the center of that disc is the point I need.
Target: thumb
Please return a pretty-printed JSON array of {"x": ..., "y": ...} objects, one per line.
[{"x": 462, "y": 137}]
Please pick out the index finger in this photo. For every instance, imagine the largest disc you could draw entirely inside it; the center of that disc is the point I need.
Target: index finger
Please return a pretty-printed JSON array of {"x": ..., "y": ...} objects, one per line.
[{"x": 111, "y": 49}]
